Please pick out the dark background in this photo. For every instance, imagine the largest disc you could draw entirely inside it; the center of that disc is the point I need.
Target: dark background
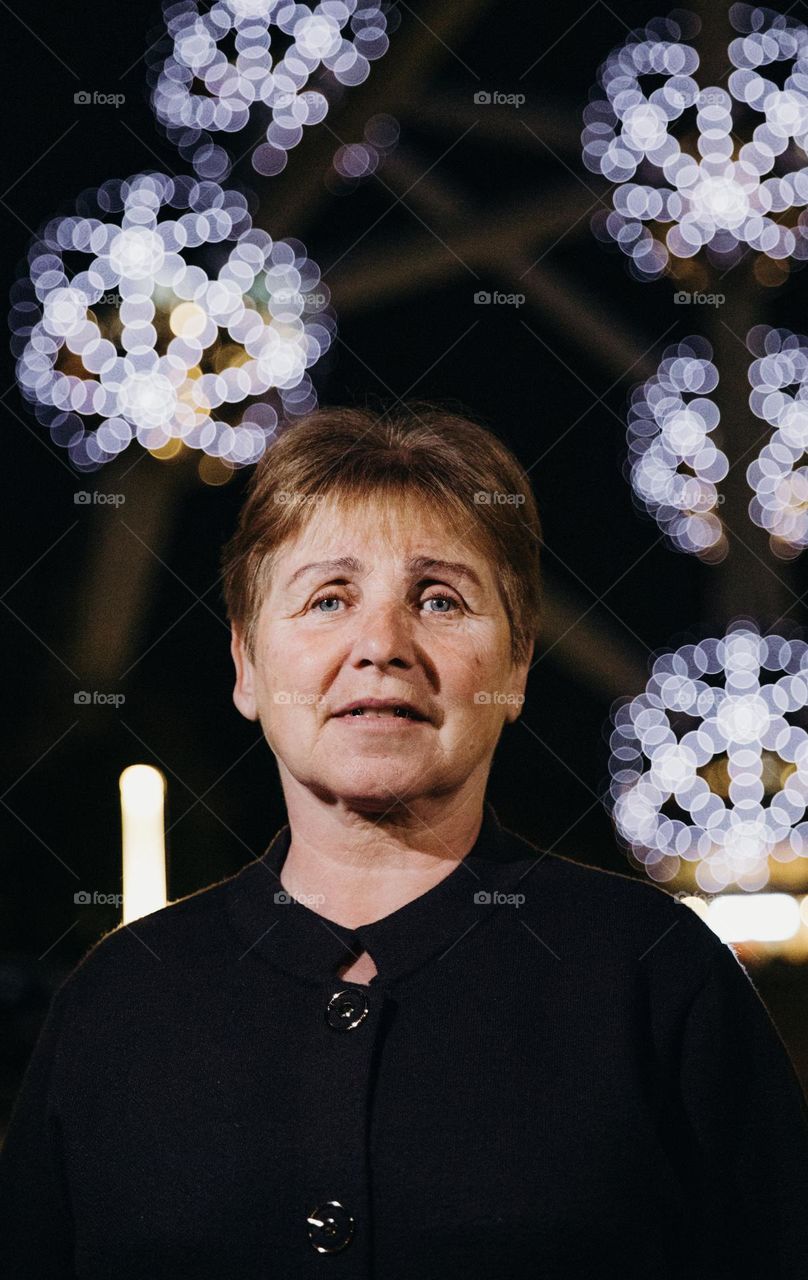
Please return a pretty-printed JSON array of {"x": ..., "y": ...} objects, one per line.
[{"x": 474, "y": 198}]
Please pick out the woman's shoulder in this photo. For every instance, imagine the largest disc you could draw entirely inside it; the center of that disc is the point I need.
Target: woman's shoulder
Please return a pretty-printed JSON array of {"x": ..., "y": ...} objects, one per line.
[
  {"x": 611, "y": 916},
  {"x": 182, "y": 939}
]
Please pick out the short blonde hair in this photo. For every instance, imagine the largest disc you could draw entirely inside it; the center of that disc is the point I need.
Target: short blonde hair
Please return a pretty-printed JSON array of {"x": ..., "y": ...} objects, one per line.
[{"x": 447, "y": 462}]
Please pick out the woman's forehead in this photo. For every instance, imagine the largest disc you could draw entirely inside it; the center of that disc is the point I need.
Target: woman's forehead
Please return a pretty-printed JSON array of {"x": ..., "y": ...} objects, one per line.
[{"x": 391, "y": 527}]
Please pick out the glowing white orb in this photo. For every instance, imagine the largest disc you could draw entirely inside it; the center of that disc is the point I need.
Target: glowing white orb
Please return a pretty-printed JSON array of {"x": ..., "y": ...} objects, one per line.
[
  {"x": 137, "y": 253},
  {"x": 638, "y": 134},
  {"x": 147, "y": 399},
  {"x": 220, "y": 66},
  {"x": 674, "y": 466},
  {"x": 778, "y": 476},
  {"x": 139, "y": 342},
  {"x": 354, "y": 161},
  {"x": 693, "y": 760}
]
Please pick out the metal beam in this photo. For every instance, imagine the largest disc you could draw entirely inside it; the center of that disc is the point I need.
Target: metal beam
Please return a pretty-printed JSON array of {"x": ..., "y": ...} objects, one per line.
[
  {"x": 297, "y": 196},
  {"x": 558, "y": 300},
  {"x": 118, "y": 576},
  {"x": 575, "y": 637},
  {"x": 415, "y": 260},
  {"x": 557, "y": 124}
]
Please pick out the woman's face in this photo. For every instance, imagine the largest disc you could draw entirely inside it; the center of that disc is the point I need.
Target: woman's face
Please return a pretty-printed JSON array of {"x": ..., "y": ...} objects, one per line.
[{"x": 382, "y": 624}]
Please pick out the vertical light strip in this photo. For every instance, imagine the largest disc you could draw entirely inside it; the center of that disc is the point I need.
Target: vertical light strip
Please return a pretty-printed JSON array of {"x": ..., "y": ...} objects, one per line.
[{"x": 144, "y": 857}]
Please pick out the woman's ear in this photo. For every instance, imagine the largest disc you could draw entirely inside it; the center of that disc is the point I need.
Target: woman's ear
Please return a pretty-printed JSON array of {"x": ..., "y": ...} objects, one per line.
[
  {"x": 518, "y": 683},
  {"x": 244, "y": 689}
]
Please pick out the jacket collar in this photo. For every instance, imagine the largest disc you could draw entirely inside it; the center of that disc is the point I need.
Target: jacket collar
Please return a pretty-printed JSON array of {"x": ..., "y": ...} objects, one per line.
[{"x": 300, "y": 941}]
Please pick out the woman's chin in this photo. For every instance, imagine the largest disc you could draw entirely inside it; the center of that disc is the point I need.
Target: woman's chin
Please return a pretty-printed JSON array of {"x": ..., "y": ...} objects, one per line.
[{"x": 379, "y": 789}]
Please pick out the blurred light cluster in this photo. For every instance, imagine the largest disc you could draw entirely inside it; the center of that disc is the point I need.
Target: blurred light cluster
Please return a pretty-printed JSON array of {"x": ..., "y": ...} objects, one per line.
[
  {"x": 669, "y": 420},
  {"x": 712, "y": 190},
  {"x": 357, "y": 160},
  {"x": 779, "y": 378},
  {"x": 181, "y": 312},
  {"x": 692, "y": 761},
  {"x": 199, "y": 89}
]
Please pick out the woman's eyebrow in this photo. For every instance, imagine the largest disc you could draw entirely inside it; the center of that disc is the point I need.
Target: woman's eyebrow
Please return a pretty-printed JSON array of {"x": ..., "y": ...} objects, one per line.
[
  {"x": 417, "y": 564},
  {"x": 423, "y": 564},
  {"x": 349, "y": 563}
]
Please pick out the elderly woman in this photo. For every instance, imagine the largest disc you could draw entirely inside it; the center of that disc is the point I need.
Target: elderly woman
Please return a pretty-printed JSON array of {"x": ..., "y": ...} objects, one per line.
[{"x": 404, "y": 1043}]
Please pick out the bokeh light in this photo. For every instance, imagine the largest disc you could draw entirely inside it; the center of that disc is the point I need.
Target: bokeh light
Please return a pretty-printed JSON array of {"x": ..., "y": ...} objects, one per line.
[
  {"x": 238, "y": 58},
  {"x": 779, "y": 379},
  {"x": 355, "y": 161},
  {"x": 673, "y": 465},
  {"x": 699, "y": 186},
  {"x": 705, "y": 765},
  {"x": 157, "y": 312}
]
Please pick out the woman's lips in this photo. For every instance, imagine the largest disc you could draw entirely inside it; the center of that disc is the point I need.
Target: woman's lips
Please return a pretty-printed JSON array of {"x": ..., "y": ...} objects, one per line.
[{"x": 379, "y": 720}]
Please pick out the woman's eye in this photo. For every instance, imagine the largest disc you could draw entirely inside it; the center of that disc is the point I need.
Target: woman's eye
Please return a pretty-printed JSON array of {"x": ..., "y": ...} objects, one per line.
[
  {"x": 323, "y": 599},
  {"x": 450, "y": 599}
]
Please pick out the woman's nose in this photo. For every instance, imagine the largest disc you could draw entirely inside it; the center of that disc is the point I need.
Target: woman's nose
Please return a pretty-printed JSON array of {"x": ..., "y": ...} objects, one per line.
[{"x": 384, "y": 632}]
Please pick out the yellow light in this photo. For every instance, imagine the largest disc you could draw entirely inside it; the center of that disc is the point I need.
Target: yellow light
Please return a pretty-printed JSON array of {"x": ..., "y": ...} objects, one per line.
[
  {"x": 754, "y": 917},
  {"x": 698, "y": 905},
  {"x": 187, "y": 320},
  {"x": 188, "y": 394},
  {"x": 169, "y": 451},
  {"x": 228, "y": 355},
  {"x": 771, "y": 272},
  {"x": 214, "y": 471},
  {"x": 144, "y": 862}
]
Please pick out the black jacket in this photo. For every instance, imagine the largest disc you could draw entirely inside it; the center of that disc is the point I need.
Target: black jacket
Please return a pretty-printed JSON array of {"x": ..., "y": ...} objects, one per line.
[{"x": 558, "y": 1072}]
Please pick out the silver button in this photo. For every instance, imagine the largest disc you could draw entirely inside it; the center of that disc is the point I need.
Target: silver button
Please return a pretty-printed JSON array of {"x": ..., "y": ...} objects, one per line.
[
  {"x": 346, "y": 1009},
  {"x": 331, "y": 1227}
]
